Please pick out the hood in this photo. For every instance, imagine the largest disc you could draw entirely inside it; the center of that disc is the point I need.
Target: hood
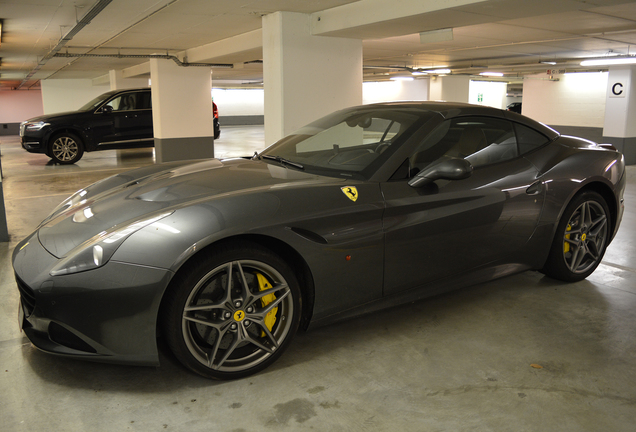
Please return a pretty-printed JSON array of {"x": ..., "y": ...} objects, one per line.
[
  {"x": 55, "y": 116},
  {"x": 148, "y": 192}
]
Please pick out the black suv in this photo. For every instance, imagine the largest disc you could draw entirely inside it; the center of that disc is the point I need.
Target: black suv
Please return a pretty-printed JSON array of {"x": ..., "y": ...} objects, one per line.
[{"x": 117, "y": 119}]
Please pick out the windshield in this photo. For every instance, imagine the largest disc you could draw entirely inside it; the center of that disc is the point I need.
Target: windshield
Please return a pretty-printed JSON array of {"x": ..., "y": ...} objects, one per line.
[
  {"x": 95, "y": 102},
  {"x": 351, "y": 143}
]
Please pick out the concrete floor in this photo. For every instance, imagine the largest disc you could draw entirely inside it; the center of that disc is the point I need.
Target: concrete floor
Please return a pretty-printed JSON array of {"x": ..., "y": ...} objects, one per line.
[{"x": 525, "y": 353}]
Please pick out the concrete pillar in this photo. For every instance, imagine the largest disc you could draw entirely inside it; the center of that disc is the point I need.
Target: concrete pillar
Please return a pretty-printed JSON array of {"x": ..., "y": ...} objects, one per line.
[
  {"x": 118, "y": 82},
  {"x": 305, "y": 77},
  {"x": 620, "y": 110},
  {"x": 181, "y": 111},
  {"x": 450, "y": 88}
]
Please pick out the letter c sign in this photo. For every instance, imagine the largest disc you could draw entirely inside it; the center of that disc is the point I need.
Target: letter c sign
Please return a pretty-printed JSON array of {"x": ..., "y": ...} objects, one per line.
[{"x": 617, "y": 90}]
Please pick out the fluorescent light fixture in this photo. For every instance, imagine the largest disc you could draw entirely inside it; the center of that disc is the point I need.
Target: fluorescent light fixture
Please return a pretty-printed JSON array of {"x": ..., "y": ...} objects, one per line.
[
  {"x": 548, "y": 62},
  {"x": 402, "y": 78},
  {"x": 438, "y": 71},
  {"x": 434, "y": 36},
  {"x": 610, "y": 61},
  {"x": 492, "y": 74}
]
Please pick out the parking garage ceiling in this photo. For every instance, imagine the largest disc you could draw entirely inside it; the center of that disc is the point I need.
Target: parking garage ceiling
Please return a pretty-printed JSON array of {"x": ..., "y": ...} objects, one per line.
[{"x": 71, "y": 39}]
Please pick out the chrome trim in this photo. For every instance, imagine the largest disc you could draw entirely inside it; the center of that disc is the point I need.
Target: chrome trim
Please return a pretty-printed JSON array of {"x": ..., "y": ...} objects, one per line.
[{"x": 125, "y": 141}]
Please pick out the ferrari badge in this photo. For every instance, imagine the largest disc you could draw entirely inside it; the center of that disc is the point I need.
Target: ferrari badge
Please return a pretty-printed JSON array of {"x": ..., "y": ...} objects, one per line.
[{"x": 351, "y": 192}]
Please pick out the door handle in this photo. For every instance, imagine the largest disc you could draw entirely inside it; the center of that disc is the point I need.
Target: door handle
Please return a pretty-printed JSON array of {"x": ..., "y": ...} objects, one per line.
[{"x": 535, "y": 188}]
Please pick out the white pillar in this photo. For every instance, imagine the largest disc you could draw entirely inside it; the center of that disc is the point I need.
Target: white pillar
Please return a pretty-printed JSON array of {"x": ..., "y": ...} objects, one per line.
[
  {"x": 620, "y": 110},
  {"x": 181, "y": 111},
  {"x": 118, "y": 82},
  {"x": 450, "y": 88},
  {"x": 305, "y": 77}
]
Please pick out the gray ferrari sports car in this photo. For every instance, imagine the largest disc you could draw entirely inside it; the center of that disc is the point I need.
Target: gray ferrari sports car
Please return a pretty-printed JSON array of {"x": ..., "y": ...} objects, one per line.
[{"x": 369, "y": 207}]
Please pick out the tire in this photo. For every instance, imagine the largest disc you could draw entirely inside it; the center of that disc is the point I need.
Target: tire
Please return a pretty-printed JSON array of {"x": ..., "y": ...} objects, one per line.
[
  {"x": 581, "y": 238},
  {"x": 223, "y": 333},
  {"x": 66, "y": 148}
]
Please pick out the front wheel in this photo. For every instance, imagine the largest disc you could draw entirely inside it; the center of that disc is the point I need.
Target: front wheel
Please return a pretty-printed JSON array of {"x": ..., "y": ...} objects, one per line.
[
  {"x": 66, "y": 149},
  {"x": 232, "y": 314},
  {"x": 581, "y": 238}
]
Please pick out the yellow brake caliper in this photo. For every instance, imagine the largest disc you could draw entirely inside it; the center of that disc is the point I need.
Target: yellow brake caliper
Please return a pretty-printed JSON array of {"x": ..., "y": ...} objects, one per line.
[
  {"x": 270, "y": 318},
  {"x": 566, "y": 245}
]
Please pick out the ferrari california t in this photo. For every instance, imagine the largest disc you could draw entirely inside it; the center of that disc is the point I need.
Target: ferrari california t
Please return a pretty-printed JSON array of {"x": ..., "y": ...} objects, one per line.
[{"x": 369, "y": 207}]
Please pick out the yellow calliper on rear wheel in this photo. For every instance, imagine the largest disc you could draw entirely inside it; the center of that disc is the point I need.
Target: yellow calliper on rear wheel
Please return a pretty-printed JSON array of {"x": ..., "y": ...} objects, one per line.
[
  {"x": 566, "y": 245},
  {"x": 270, "y": 318}
]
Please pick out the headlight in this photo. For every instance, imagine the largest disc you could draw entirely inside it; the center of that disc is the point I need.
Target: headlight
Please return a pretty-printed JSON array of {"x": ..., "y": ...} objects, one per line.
[
  {"x": 35, "y": 126},
  {"x": 96, "y": 251}
]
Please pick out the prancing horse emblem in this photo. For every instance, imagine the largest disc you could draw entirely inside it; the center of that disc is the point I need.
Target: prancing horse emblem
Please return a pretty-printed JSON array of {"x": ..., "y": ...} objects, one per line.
[{"x": 351, "y": 192}]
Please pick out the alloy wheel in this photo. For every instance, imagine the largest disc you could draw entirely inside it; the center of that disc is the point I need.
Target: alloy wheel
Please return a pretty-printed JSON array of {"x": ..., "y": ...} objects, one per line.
[
  {"x": 237, "y": 316},
  {"x": 585, "y": 236},
  {"x": 65, "y": 149}
]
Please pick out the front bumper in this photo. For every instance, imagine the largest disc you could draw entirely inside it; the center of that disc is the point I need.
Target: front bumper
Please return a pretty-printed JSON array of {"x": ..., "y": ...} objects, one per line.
[
  {"x": 108, "y": 314},
  {"x": 33, "y": 144}
]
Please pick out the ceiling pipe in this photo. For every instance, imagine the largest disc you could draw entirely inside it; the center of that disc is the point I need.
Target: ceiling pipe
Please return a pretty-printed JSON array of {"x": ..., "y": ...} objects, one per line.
[
  {"x": 150, "y": 56},
  {"x": 86, "y": 19}
]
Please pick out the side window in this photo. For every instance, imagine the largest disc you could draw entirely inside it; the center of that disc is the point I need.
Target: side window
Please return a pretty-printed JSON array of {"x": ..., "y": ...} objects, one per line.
[
  {"x": 480, "y": 140},
  {"x": 529, "y": 139},
  {"x": 125, "y": 102}
]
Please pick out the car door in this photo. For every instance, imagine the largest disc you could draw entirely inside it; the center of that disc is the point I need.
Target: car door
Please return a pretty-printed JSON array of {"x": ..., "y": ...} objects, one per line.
[
  {"x": 124, "y": 121},
  {"x": 448, "y": 228}
]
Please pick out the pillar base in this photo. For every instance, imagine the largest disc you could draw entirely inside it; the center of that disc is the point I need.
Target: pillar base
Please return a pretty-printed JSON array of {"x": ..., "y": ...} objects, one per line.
[{"x": 177, "y": 149}]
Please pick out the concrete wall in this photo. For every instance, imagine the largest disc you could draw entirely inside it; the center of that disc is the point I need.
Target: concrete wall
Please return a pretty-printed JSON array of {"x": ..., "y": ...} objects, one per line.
[
  {"x": 59, "y": 95},
  {"x": 577, "y": 99},
  {"x": 17, "y": 106}
]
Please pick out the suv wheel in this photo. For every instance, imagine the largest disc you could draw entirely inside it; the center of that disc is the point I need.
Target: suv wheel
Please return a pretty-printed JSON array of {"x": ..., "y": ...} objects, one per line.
[{"x": 66, "y": 149}]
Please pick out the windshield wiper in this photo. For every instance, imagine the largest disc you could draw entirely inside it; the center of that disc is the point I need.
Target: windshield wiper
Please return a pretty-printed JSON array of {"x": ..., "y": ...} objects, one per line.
[{"x": 283, "y": 161}]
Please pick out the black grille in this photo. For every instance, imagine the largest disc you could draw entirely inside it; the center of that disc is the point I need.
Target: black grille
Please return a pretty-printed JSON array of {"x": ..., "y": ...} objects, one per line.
[
  {"x": 60, "y": 335},
  {"x": 27, "y": 296}
]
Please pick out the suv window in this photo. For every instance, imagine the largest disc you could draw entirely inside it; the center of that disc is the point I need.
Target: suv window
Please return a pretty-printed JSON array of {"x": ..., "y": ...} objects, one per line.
[{"x": 130, "y": 101}]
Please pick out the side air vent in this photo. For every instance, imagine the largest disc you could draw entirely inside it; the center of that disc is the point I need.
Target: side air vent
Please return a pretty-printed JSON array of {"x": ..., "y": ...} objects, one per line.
[{"x": 309, "y": 235}]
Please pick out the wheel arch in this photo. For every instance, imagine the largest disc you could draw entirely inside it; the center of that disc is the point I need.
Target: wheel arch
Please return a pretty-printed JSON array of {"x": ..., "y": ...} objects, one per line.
[
  {"x": 599, "y": 186},
  {"x": 608, "y": 195},
  {"x": 297, "y": 264}
]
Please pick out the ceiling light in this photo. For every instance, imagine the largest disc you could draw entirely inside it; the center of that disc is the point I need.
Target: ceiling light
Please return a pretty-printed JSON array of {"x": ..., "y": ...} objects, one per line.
[
  {"x": 438, "y": 71},
  {"x": 402, "y": 78},
  {"x": 548, "y": 62},
  {"x": 609, "y": 61},
  {"x": 492, "y": 74}
]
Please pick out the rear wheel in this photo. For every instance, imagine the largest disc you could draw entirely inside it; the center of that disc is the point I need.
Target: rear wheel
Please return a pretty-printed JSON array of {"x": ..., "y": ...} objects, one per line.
[
  {"x": 66, "y": 149},
  {"x": 232, "y": 314},
  {"x": 581, "y": 238}
]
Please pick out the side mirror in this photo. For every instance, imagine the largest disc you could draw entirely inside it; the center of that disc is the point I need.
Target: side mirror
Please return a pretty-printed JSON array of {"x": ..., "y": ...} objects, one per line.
[
  {"x": 106, "y": 109},
  {"x": 448, "y": 169}
]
